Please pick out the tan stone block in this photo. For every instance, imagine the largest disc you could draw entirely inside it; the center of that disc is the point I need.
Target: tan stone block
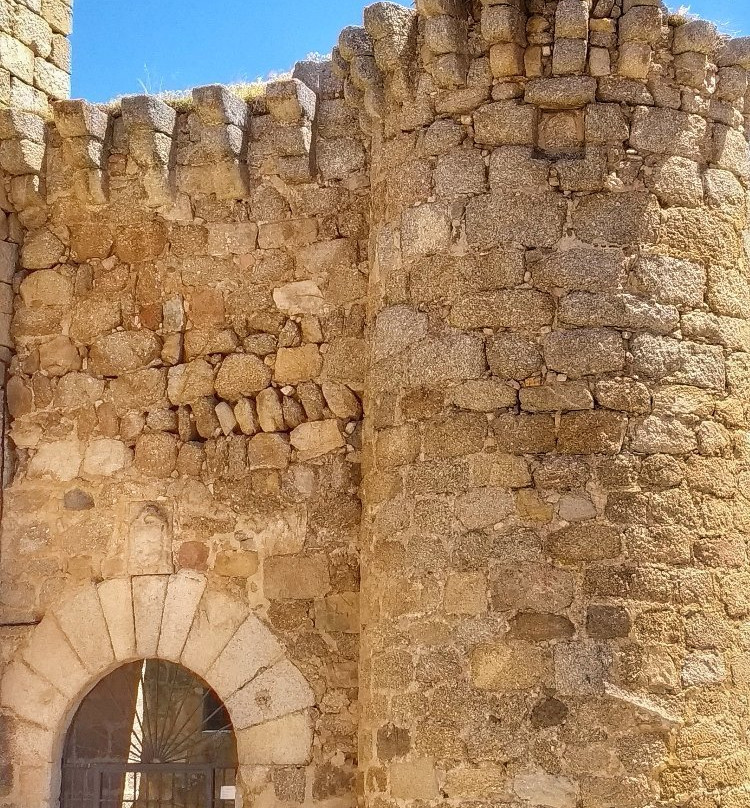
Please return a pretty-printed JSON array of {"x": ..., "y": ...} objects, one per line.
[
  {"x": 580, "y": 668},
  {"x": 561, "y": 92},
  {"x": 532, "y": 508},
  {"x": 317, "y": 438},
  {"x": 500, "y": 218},
  {"x": 94, "y": 317},
  {"x": 278, "y": 691},
  {"x": 454, "y": 435},
  {"x": 59, "y": 15},
  {"x": 342, "y": 402},
  {"x": 505, "y": 123},
  {"x": 484, "y": 507},
  {"x": 123, "y": 351},
  {"x": 59, "y": 356},
  {"x": 82, "y": 620},
  {"x": 187, "y": 383},
  {"x": 46, "y": 287},
  {"x": 226, "y": 417},
  {"x": 486, "y": 781},
  {"x": 217, "y": 618},
  {"x": 503, "y": 23},
  {"x": 300, "y": 297},
  {"x": 16, "y": 57},
  {"x": 251, "y": 649},
  {"x": 667, "y": 131},
  {"x": 598, "y": 432},
  {"x": 425, "y": 229},
  {"x": 270, "y": 410},
  {"x": 465, "y": 593},
  {"x": 156, "y": 454},
  {"x": 41, "y": 249},
  {"x": 642, "y": 23},
  {"x": 241, "y": 375},
  {"x": 507, "y": 59},
  {"x": 232, "y": 239},
  {"x": 149, "y": 592},
  {"x": 286, "y": 741},
  {"x": 483, "y": 396},
  {"x": 105, "y": 457},
  {"x": 31, "y": 697},
  {"x": 500, "y": 470},
  {"x": 538, "y": 627},
  {"x": 586, "y": 541},
  {"x": 339, "y": 157},
  {"x": 292, "y": 232},
  {"x": 27, "y": 99},
  {"x": 33, "y": 31},
  {"x": 521, "y": 308},
  {"x": 569, "y": 57},
  {"x": 560, "y": 396},
  {"x": 414, "y": 780},
  {"x": 296, "y": 577},
  {"x": 142, "y": 242},
  {"x": 184, "y": 592},
  {"x": 513, "y": 356},
  {"x": 511, "y": 666},
  {"x": 653, "y": 435},
  {"x": 268, "y": 451},
  {"x": 635, "y": 60},
  {"x": 618, "y": 219},
  {"x": 117, "y": 605},
  {"x": 552, "y": 591},
  {"x": 584, "y": 352},
  {"x": 730, "y": 151},
  {"x": 247, "y": 416},
  {"x": 60, "y": 460},
  {"x": 295, "y": 365},
  {"x": 49, "y": 654},
  {"x": 524, "y": 434},
  {"x": 52, "y": 81}
]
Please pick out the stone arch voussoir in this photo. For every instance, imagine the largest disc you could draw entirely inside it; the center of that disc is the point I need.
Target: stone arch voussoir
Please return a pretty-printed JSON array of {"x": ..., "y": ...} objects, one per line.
[{"x": 177, "y": 617}]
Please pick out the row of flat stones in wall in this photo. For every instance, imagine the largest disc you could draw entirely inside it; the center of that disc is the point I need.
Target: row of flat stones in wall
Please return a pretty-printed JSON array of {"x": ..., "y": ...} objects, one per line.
[
  {"x": 521, "y": 153},
  {"x": 34, "y": 53}
]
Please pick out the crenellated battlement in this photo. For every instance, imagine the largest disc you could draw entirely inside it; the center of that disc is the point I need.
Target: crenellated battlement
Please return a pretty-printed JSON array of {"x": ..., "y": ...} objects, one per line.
[{"x": 222, "y": 145}]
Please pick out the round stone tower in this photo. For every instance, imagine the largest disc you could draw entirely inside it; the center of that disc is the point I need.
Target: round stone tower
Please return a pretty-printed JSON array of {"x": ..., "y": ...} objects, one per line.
[{"x": 557, "y": 582}]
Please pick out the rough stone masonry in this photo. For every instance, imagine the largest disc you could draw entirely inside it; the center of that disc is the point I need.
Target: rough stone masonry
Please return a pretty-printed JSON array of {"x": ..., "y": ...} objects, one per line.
[{"x": 466, "y": 308}]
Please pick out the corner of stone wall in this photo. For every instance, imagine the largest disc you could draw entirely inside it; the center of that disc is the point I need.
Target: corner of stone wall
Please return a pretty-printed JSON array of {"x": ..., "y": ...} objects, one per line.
[{"x": 531, "y": 163}]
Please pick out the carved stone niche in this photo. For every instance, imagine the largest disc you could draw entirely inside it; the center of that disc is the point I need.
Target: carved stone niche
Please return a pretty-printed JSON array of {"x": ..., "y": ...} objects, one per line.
[{"x": 149, "y": 540}]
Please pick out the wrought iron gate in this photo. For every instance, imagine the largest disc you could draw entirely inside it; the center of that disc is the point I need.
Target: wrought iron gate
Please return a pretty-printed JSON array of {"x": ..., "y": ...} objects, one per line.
[
  {"x": 147, "y": 785},
  {"x": 150, "y": 735}
]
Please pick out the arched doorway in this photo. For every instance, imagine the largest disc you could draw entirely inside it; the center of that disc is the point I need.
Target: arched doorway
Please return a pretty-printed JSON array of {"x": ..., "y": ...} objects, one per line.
[{"x": 150, "y": 734}]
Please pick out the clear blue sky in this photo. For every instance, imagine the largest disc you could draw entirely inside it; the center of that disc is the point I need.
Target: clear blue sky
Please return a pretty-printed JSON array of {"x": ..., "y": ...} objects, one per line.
[{"x": 122, "y": 46}]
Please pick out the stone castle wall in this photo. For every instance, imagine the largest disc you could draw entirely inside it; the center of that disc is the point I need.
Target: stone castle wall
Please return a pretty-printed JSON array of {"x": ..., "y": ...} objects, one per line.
[
  {"x": 34, "y": 53},
  {"x": 185, "y": 389},
  {"x": 495, "y": 255}
]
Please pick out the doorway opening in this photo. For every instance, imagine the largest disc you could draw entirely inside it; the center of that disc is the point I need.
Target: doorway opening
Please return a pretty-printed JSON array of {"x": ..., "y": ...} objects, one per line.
[{"x": 150, "y": 735}]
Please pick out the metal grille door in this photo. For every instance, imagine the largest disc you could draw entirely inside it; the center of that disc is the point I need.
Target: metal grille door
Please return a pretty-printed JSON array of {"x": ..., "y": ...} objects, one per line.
[
  {"x": 155, "y": 785},
  {"x": 150, "y": 735}
]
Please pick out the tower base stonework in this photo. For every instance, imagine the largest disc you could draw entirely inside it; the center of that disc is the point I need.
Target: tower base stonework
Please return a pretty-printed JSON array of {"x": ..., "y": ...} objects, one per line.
[{"x": 466, "y": 307}]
